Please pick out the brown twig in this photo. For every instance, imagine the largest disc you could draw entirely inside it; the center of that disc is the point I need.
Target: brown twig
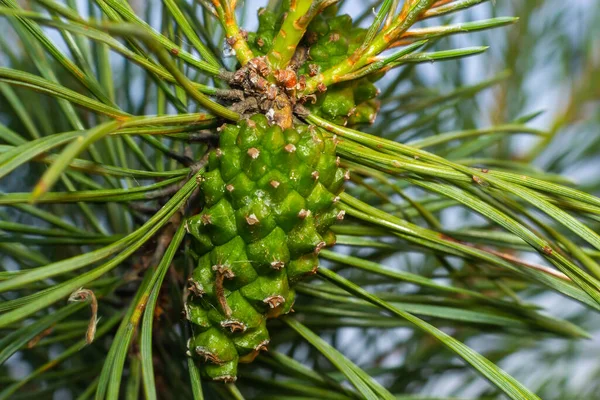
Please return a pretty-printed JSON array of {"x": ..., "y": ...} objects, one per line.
[
  {"x": 539, "y": 267},
  {"x": 31, "y": 344},
  {"x": 82, "y": 294}
]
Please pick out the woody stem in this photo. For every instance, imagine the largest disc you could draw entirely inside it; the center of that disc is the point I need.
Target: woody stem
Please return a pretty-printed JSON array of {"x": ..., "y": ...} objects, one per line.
[
  {"x": 234, "y": 35},
  {"x": 292, "y": 30}
]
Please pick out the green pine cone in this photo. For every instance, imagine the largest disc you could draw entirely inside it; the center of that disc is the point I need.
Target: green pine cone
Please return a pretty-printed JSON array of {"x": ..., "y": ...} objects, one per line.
[
  {"x": 269, "y": 200},
  {"x": 330, "y": 39}
]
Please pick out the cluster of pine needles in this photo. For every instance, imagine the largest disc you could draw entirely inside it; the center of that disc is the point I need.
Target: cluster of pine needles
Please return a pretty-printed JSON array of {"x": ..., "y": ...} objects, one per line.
[{"x": 106, "y": 114}]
